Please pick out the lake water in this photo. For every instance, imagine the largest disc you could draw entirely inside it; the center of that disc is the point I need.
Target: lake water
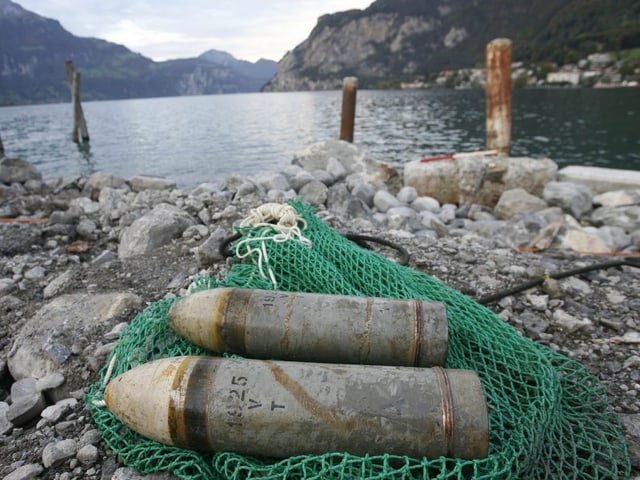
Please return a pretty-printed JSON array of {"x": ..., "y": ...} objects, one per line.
[{"x": 195, "y": 139}]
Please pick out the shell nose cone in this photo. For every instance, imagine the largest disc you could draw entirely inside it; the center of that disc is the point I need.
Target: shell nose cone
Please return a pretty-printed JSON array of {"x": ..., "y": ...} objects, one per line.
[
  {"x": 199, "y": 317},
  {"x": 140, "y": 397}
]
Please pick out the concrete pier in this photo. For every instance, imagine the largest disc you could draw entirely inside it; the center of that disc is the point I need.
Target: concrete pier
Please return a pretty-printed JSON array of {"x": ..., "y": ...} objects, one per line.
[{"x": 599, "y": 179}]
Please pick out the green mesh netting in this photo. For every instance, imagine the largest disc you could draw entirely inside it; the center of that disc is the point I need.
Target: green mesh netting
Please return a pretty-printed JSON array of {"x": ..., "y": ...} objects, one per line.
[{"x": 548, "y": 416}]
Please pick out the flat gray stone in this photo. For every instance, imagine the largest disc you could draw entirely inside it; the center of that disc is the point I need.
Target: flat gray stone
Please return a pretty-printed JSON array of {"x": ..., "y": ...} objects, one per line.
[
  {"x": 515, "y": 201},
  {"x": 57, "y": 453},
  {"x": 142, "y": 182},
  {"x": 26, "y": 408},
  {"x": 601, "y": 180},
  {"x": 25, "y": 472},
  {"x": 154, "y": 229},
  {"x": 48, "y": 336}
]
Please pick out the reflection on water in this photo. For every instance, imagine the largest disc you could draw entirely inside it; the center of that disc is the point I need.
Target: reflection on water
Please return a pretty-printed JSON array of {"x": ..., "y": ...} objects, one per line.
[
  {"x": 194, "y": 139},
  {"x": 88, "y": 166}
]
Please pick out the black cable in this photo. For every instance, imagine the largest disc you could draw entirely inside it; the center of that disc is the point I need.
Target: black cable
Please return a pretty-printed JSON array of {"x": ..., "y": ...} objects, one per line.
[
  {"x": 628, "y": 261},
  {"x": 361, "y": 240},
  {"x": 358, "y": 239}
]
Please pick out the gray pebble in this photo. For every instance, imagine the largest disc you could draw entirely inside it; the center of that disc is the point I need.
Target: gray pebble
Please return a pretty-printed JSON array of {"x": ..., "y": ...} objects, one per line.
[{"x": 56, "y": 453}]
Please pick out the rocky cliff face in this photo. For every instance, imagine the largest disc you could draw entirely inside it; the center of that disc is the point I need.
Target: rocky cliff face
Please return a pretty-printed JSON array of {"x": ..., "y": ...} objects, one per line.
[
  {"x": 396, "y": 40},
  {"x": 369, "y": 46}
]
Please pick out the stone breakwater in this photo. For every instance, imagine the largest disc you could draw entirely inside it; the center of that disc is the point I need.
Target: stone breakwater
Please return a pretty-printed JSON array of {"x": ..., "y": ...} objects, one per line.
[{"x": 110, "y": 246}]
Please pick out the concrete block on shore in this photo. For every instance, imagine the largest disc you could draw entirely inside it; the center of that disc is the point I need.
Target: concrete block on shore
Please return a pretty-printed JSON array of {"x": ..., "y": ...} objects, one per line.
[
  {"x": 599, "y": 179},
  {"x": 479, "y": 179}
]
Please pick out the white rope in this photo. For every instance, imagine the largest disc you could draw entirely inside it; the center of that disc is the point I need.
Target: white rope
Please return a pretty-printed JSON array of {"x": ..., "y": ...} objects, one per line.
[
  {"x": 286, "y": 226},
  {"x": 107, "y": 377}
]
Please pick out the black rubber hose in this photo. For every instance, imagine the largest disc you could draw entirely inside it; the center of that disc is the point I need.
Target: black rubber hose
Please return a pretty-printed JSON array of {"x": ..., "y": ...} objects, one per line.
[{"x": 628, "y": 261}]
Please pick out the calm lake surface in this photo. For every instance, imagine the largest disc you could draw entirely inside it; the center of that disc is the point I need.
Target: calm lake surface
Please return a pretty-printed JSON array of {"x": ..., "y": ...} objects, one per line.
[{"x": 195, "y": 139}]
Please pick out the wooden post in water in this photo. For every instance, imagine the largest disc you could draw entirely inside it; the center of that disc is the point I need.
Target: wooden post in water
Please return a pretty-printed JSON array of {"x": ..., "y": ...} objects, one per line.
[
  {"x": 79, "y": 124},
  {"x": 347, "y": 122},
  {"x": 1, "y": 148},
  {"x": 498, "y": 58}
]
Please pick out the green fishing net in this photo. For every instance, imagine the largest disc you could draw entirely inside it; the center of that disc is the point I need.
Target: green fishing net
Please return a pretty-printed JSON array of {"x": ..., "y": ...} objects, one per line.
[{"x": 548, "y": 416}]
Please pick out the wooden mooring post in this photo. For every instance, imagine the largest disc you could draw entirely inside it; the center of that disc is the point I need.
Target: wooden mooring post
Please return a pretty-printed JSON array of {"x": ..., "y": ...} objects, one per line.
[
  {"x": 348, "y": 118},
  {"x": 498, "y": 58},
  {"x": 79, "y": 123},
  {"x": 1, "y": 148}
]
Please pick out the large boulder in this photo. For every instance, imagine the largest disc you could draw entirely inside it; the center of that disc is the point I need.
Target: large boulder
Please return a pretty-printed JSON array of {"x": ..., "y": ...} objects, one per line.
[
  {"x": 626, "y": 217},
  {"x": 478, "y": 179},
  {"x": 573, "y": 198},
  {"x": 54, "y": 340},
  {"x": 601, "y": 180},
  {"x": 517, "y": 200},
  {"x": 16, "y": 170},
  {"x": 154, "y": 229},
  {"x": 343, "y": 158}
]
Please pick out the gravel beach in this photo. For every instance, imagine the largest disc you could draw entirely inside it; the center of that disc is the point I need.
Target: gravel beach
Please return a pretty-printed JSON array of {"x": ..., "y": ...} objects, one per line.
[{"x": 79, "y": 257}]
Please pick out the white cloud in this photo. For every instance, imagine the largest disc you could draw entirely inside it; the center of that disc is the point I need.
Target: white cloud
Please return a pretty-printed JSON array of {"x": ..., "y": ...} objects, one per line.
[{"x": 163, "y": 29}]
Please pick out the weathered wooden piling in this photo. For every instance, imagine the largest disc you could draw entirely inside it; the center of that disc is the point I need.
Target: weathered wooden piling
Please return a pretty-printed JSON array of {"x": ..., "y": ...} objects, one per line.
[
  {"x": 347, "y": 123},
  {"x": 79, "y": 123},
  {"x": 1, "y": 148},
  {"x": 498, "y": 58}
]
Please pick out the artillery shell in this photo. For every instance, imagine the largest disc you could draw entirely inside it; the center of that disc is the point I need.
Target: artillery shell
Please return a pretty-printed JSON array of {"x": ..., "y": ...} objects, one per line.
[
  {"x": 314, "y": 327},
  {"x": 281, "y": 409}
]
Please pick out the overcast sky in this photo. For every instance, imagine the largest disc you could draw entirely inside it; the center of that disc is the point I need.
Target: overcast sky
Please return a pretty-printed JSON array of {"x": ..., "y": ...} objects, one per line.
[{"x": 166, "y": 29}]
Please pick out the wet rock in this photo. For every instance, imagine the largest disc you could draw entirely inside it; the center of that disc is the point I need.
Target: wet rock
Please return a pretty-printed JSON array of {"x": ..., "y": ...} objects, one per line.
[{"x": 154, "y": 229}]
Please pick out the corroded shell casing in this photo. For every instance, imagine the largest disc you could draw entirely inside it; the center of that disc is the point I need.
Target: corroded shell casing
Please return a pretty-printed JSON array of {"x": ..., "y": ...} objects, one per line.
[
  {"x": 314, "y": 327},
  {"x": 281, "y": 409}
]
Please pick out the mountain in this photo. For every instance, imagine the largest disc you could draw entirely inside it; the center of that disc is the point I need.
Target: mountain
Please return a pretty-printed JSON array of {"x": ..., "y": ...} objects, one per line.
[
  {"x": 33, "y": 51},
  {"x": 395, "y": 40}
]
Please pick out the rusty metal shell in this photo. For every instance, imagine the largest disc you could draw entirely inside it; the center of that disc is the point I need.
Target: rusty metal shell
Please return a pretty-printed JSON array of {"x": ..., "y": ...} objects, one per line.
[
  {"x": 282, "y": 409},
  {"x": 314, "y": 327}
]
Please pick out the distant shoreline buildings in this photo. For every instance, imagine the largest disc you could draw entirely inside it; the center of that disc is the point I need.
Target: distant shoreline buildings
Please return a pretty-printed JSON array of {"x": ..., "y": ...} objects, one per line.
[{"x": 599, "y": 70}]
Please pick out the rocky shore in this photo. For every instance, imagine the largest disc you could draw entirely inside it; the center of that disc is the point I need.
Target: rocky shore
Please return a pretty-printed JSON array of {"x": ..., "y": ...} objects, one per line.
[{"x": 79, "y": 257}]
